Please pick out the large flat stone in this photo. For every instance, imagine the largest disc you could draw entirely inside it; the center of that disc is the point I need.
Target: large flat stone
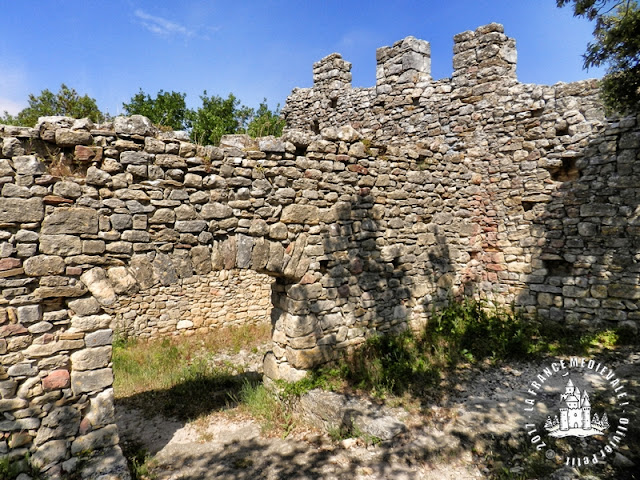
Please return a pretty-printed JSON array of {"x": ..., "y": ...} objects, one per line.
[
  {"x": 91, "y": 381},
  {"x": 21, "y": 210},
  {"x": 71, "y": 220}
]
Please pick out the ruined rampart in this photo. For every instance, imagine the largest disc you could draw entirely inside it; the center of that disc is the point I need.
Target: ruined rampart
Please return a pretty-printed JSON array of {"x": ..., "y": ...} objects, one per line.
[{"x": 375, "y": 205}]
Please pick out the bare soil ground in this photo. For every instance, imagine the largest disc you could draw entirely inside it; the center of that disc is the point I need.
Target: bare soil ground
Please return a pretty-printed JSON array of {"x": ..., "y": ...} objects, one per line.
[{"x": 473, "y": 428}]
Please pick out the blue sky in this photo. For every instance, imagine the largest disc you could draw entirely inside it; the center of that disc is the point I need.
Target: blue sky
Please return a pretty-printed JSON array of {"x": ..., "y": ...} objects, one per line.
[{"x": 255, "y": 49}]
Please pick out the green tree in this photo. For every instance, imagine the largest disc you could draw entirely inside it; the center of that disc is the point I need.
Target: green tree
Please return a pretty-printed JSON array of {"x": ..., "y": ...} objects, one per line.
[
  {"x": 617, "y": 45},
  {"x": 66, "y": 102},
  {"x": 266, "y": 122},
  {"x": 167, "y": 109},
  {"x": 217, "y": 117}
]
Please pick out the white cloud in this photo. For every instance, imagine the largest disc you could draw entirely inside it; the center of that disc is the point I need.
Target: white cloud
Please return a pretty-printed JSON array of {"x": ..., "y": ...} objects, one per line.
[
  {"x": 11, "y": 106},
  {"x": 162, "y": 26},
  {"x": 12, "y": 87}
]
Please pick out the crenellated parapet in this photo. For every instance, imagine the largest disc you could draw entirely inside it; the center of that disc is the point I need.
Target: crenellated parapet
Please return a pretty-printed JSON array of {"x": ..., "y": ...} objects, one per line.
[
  {"x": 484, "y": 55},
  {"x": 483, "y": 61},
  {"x": 406, "y": 62},
  {"x": 331, "y": 74}
]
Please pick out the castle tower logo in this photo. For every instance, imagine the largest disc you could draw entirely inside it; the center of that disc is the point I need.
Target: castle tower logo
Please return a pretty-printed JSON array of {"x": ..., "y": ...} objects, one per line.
[
  {"x": 576, "y": 412},
  {"x": 574, "y": 417}
]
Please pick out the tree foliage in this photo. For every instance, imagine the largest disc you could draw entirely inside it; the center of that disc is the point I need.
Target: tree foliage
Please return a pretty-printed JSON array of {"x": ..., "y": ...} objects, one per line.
[
  {"x": 217, "y": 117},
  {"x": 66, "y": 102},
  {"x": 167, "y": 109},
  {"x": 617, "y": 45},
  {"x": 266, "y": 122}
]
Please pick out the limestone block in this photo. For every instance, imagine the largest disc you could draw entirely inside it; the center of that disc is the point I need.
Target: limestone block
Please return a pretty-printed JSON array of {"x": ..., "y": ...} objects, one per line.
[
  {"x": 133, "y": 125},
  {"x": 5, "y": 168},
  {"x": 90, "y": 323},
  {"x": 42, "y": 265},
  {"x": 228, "y": 250},
  {"x": 19, "y": 210},
  {"x": 170, "y": 161},
  {"x": 308, "y": 358},
  {"x": 28, "y": 423},
  {"x": 48, "y": 349},
  {"x": 244, "y": 250},
  {"x": 163, "y": 215},
  {"x": 8, "y": 388},
  {"x": 7, "y": 405},
  {"x": 97, "y": 283},
  {"x": 121, "y": 221},
  {"x": 122, "y": 281},
  {"x": 71, "y": 220},
  {"x": 302, "y": 214},
  {"x": 190, "y": 226},
  {"x": 142, "y": 269},
  {"x": 29, "y": 314},
  {"x": 84, "y": 306},
  {"x": 91, "y": 381},
  {"x": 67, "y": 189},
  {"x": 91, "y": 358},
  {"x": 59, "y": 423},
  {"x": 260, "y": 254},
  {"x": 278, "y": 231},
  {"x": 216, "y": 210},
  {"x": 28, "y": 165},
  {"x": 62, "y": 245},
  {"x": 164, "y": 271},
  {"x": 621, "y": 290},
  {"x": 101, "y": 411},
  {"x": 12, "y": 147},
  {"x": 299, "y": 325},
  {"x": 201, "y": 258},
  {"x": 99, "y": 338},
  {"x": 182, "y": 263},
  {"x": 104, "y": 437},
  {"x": 50, "y": 452},
  {"x": 68, "y": 138}
]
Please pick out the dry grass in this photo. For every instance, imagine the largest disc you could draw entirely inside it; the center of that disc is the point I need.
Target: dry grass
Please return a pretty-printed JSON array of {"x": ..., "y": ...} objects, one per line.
[{"x": 176, "y": 375}]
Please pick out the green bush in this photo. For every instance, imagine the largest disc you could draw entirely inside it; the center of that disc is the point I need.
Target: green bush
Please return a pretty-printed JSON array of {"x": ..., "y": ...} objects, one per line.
[{"x": 475, "y": 331}]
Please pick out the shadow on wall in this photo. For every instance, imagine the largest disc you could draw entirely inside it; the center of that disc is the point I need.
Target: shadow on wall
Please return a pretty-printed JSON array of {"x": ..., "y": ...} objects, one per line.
[{"x": 586, "y": 265}]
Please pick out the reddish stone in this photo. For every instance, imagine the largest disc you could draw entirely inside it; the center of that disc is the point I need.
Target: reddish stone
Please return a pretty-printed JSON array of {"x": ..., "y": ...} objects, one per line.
[
  {"x": 56, "y": 379},
  {"x": 342, "y": 158},
  {"x": 75, "y": 271},
  {"x": 11, "y": 330},
  {"x": 356, "y": 266},
  {"x": 9, "y": 263},
  {"x": 46, "y": 338},
  {"x": 344, "y": 291},
  {"x": 85, "y": 426},
  {"x": 358, "y": 169},
  {"x": 55, "y": 200},
  {"x": 307, "y": 279},
  {"x": 496, "y": 267},
  {"x": 87, "y": 154}
]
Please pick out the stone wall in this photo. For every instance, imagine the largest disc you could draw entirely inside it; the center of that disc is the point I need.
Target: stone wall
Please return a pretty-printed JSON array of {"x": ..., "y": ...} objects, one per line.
[
  {"x": 374, "y": 206},
  {"x": 549, "y": 186},
  {"x": 196, "y": 304}
]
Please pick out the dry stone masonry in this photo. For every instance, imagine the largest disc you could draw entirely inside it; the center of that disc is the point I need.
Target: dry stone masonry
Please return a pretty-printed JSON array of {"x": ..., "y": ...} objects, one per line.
[
  {"x": 195, "y": 304},
  {"x": 374, "y": 206}
]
